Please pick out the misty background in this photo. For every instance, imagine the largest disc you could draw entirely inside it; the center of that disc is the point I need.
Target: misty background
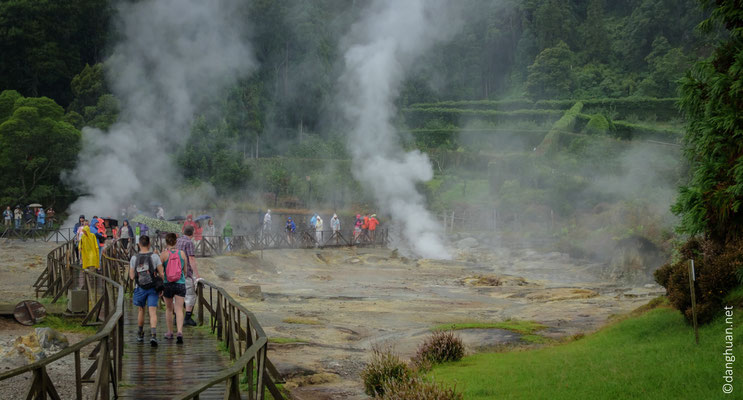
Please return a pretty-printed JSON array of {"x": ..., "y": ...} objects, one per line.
[{"x": 439, "y": 117}]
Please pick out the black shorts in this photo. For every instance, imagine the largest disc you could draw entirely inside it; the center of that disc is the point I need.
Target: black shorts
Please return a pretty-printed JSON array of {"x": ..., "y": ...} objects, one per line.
[{"x": 174, "y": 289}]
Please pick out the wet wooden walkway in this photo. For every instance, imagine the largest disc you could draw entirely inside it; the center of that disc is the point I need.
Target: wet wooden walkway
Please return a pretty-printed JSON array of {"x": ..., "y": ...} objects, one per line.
[{"x": 167, "y": 371}]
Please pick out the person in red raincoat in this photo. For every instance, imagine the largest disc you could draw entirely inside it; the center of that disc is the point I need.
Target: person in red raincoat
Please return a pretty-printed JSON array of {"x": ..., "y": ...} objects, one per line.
[{"x": 189, "y": 222}]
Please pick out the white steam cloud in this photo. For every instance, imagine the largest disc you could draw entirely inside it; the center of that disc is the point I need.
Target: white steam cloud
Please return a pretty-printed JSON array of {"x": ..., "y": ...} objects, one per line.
[
  {"x": 173, "y": 56},
  {"x": 381, "y": 46}
]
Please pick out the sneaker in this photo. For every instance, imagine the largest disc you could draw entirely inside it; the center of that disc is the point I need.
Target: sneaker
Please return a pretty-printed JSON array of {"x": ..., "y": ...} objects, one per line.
[
  {"x": 168, "y": 336},
  {"x": 153, "y": 341},
  {"x": 140, "y": 337},
  {"x": 179, "y": 339},
  {"x": 190, "y": 322}
]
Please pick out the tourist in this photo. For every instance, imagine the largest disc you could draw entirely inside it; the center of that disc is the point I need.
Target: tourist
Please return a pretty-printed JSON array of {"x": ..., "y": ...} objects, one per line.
[
  {"x": 291, "y": 227},
  {"x": 227, "y": 235},
  {"x": 373, "y": 223},
  {"x": 318, "y": 231},
  {"x": 365, "y": 227},
  {"x": 146, "y": 270},
  {"x": 50, "y": 214},
  {"x": 188, "y": 222},
  {"x": 88, "y": 247},
  {"x": 7, "y": 216},
  {"x": 18, "y": 216},
  {"x": 160, "y": 213},
  {"x": 198, "y": 234},
  {"x": 28, "y": 218},
  {"x": 126, "y": 233},
  {"x": 210, "y": 232},
  {"x": 335, "y": 226},
  {"x": 185, "y": 244},
  {"x": 313, "y": 222},
  {"x": 267, "y": 222},
  {"x": 137, "y": 233},
  {"x": 40, "y": 219},
  {"x": 174, "y": 288},
  {"x": 357, "y": 227}
]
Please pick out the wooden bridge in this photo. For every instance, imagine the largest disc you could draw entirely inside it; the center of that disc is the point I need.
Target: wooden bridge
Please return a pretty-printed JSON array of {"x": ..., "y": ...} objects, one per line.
[{"x": 110, "y": 364}]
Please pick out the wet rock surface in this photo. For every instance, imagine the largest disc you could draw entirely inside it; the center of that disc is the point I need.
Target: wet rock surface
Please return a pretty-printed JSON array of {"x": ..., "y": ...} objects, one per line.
[{"x": 330, "y": 306}]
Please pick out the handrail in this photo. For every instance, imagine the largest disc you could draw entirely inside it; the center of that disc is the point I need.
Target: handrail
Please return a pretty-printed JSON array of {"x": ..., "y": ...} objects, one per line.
[
  {"x": 103, "y": 332},
  {"x": 109, "y": 351},
  {"x": 226, "y": 322}
]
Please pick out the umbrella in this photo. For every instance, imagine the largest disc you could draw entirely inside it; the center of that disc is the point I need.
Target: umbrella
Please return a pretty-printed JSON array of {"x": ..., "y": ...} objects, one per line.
[
  {"x": 112, "y": 222},
  {"x": 34, "y": 205},
  {"x": 202, "y": 217},
  {"x": 177, "y": 218},
  {"x": 157, "y": 224}
]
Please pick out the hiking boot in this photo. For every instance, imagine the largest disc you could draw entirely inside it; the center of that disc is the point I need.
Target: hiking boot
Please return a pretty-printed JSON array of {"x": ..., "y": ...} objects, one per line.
[
  {"x": 153, "y": 341},
  {"x": 179, "y": 339},
  {"x": 190, "y": 322},
  {"x": 168, "y": 336},
  {"x": 140, "y": 337}
]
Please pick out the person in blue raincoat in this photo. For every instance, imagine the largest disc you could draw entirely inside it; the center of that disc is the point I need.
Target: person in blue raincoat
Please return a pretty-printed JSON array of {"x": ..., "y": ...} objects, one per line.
[{"x": 291, "y": 227}]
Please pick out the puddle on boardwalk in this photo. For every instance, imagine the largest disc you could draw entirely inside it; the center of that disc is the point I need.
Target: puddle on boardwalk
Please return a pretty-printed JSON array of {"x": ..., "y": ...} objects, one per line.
[{"x": 331, "y": 306}]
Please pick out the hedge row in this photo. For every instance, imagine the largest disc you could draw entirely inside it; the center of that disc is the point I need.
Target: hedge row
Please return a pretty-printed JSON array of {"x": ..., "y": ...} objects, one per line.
[
  {"x": 565, "y": 124},
  {"x": 662, "y": 109},
  {"x": 418, "y": 117}
]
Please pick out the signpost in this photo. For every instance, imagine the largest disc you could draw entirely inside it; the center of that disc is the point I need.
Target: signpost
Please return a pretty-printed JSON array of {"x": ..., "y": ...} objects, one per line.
[{"x": 692, "y": 278}]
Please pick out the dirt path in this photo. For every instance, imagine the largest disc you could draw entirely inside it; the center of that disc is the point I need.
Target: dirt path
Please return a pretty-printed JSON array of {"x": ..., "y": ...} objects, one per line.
[{"x": 20, "y": 264}]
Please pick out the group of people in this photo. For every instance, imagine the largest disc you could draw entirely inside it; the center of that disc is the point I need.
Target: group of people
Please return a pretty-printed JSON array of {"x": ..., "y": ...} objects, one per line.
[
  {"x": 31, "y": 217},
  {"x": 170, "y": 274},
  {"x": 366, "y": 225}
]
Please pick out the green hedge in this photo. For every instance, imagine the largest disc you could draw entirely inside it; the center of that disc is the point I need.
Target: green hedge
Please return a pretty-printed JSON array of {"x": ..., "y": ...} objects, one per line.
[
  {"x": 565, "y": 124},
  {"x": 629, "y": 131},
  {"x": 418, "y": 117},
  {"x": 662, "y": 109}
]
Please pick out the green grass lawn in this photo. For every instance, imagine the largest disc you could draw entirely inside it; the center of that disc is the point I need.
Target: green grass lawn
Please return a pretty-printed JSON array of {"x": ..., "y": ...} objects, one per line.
[{"x": 650, "y": 356}]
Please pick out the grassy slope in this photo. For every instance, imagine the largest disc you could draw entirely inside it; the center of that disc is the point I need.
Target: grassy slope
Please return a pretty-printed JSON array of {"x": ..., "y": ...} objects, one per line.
[{"x": 651, "y": 356}]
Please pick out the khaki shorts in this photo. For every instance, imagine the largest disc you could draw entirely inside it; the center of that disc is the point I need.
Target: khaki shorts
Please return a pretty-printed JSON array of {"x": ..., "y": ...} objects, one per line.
[{"x": 190, "y": 292}]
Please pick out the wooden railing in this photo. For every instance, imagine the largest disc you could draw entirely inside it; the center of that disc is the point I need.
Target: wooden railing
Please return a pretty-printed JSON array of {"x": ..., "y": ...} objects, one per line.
[
  {"x": 105, "y": 307},
  {"x": 245, "y": 341},
  {"x": 231, "y": 322}
]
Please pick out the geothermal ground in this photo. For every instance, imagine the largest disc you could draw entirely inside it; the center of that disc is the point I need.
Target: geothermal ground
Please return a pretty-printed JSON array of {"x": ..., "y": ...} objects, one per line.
[{"x": 330, "y": 306}]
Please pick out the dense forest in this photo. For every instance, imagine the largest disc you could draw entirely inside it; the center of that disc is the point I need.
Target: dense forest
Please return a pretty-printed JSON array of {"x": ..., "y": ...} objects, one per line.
[{"x": 506, "y": 49}]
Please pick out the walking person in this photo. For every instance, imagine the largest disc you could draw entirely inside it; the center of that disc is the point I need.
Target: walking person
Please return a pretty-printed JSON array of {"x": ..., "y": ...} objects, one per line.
[
  {"x": 174, "y": 288},
  {"x": 126, "y": 234},
  {"x": 267, "y": 222},
  {"x": 210, "y": 232},
  {"x": 40, "y": 219},
  {"x": 291, "y": 227},
  {"x": 7, "y": 216},
  {"x": 357, "y": 228},
  {"x": 335, "y": 226},
  {"x": 227, "y": 235},
  {"x": 146, "y": 270},
  {"x": 318, "y": 231},
  {"x": 373, "y": 223},
  {"x": 185, "y": 244},
  {"x": 88, "y": 247},
  {"x": 18, "y": 214}
]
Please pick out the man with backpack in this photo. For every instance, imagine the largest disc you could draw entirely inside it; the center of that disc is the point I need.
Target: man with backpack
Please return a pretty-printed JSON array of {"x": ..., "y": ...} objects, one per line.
[
  {"x": 146, "y": 270},
  {"x": 185, "y": 244}
]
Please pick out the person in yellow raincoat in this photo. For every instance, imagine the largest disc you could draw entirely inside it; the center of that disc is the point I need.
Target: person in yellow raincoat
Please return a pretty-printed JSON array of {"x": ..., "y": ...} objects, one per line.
[{"x": 89, "y": 250}]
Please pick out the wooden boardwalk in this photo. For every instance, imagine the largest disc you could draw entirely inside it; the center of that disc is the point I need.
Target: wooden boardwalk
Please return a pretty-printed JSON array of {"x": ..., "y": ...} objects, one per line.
[{"x": 167, "y": 371}]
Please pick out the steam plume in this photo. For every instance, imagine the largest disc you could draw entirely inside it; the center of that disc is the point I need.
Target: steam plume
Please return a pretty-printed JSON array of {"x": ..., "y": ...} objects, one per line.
[
  {"x": 172, "y": 57},
  {"x": 379, "y": 49}
]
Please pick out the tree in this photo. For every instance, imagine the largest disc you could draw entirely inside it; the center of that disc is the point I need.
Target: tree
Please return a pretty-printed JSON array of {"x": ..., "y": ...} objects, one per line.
[
  {"x": 712, "y": 98},
  {"x": 667, "y": 66},
  {"x": 36, "y": 145},
  {"x": 595, "y": 38},
  {"x": 551, "y": 75}
]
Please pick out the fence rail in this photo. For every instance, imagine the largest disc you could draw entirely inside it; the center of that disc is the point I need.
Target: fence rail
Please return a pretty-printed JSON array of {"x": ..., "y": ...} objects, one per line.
[
  {"x": 105, "y": 308},
  {"x": 231, "y": 322}
]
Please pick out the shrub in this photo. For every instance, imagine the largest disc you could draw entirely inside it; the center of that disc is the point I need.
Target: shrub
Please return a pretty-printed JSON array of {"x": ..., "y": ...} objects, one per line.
[
  {"x": 441, "y": 346},
  {"x": 597, "y": 125},
  {"x": 416, "y": 388},
  {"x": 384, "y": 367},
  {"x": 714, "y": 269}
]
